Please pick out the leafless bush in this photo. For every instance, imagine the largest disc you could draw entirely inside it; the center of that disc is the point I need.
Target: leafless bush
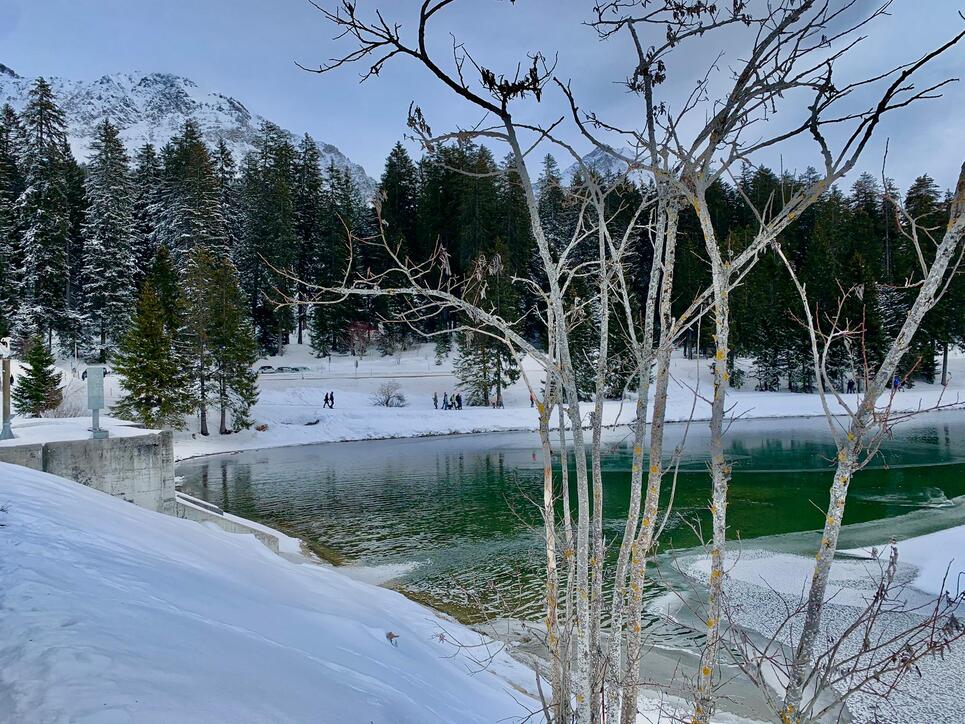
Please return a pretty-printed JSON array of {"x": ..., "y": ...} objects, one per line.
[
  {"x": 70, "y": 405},
  {"x": 389, "y": 394}
]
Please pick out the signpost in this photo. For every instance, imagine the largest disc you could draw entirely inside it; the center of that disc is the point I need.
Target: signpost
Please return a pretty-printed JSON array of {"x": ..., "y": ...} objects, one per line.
[
  {"x": 6, "y": 433},
  {"x": 95, "y": 400}
]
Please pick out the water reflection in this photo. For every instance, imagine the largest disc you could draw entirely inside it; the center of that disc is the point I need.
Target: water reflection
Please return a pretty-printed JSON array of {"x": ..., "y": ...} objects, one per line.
[{"x": 463, "y": 508}]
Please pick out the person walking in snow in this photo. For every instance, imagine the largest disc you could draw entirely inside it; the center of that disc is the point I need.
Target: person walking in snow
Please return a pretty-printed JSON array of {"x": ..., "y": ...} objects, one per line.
[
  {"x": 325, "y": 404},
  {"x": 850, "y": 386},
  {"x": 532, "y": 400},
  {"x": 445, "y": 400},
  {"x": 331, "y": 400},
  {"x": 435, "y": 400},
  {"x": 458, "y": 400}
]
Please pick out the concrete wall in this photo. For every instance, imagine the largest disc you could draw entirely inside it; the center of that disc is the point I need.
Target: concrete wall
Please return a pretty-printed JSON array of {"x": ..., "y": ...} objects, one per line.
[
  {"x": 139, "y": 468},
  {"x": 201, "y": 512}
]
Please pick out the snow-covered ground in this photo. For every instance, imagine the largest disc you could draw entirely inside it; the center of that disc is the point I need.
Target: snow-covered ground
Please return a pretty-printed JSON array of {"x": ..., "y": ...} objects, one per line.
[
  {"x": 112, "y": 613},
  {"x": 939, "y": 558},
  {"x": 291, "y": 403}
]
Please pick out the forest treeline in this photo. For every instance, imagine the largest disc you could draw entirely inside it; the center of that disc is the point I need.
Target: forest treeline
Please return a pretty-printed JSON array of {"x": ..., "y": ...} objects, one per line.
[{"x": 168, "y": 264}]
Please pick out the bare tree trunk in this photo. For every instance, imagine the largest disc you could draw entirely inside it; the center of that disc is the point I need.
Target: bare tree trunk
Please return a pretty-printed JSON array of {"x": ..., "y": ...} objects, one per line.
[
  {"x": 204, "y": 402},
  {"x": 719, "y": 469},
  {"x": 643, "y": 545},
  {"x": 553, "y": 638},
  {"x": 569, "y": 555},
  {"x": 945, "y": 363},
  {"x": 223, "y": 403},
  {"x": 949, "y": 251},
  {"x": 596, "y": 561}
]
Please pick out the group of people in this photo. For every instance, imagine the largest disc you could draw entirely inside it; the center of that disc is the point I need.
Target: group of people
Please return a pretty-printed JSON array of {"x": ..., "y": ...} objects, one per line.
[
  {"x": 449, "y": 402},
  {"x": 329, "y": 400}
]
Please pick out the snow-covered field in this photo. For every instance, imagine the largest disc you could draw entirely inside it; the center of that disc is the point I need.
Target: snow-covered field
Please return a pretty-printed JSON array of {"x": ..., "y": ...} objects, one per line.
[
  {"x": 290, "y": 402},
  {"x": 112, "y": 613}
]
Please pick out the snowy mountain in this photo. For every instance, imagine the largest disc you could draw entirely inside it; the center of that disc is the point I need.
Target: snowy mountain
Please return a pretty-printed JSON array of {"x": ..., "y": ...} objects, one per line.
[
  {"x": 151, "y": 108},
  {"x": 600, "y": 161}
]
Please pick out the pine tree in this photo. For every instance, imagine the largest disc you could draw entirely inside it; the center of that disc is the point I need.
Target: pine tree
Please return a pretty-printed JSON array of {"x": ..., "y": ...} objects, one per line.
[
  {"x": 151, "y": 374},
  {"x": 309, "y": 206},
  {"x": 194, "y": 343},
  {"x": 164, "y": 280},
  {"x": 229, "y": 197},
  {"x": 443, "y": 347},
  {"x": 190, "y": 202},
  {"x": 343, "y": 207},
  {"x": 485, "y": 366},
  {"x": 108, "y": 270},
  {"x": 270, "y": 243},
  {"x": 73, "y": 334},
  {"x": 38, "y": 389},
  {"x": 146, "y": 207},
  {"x": 11, "y": 186},
  {"x": 234, "y": 349},
  {"x": 43, "y": 212}
]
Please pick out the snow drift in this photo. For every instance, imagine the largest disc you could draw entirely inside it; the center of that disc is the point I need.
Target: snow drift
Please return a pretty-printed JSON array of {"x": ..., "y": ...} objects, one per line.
[{"x": 112, "y": 613}]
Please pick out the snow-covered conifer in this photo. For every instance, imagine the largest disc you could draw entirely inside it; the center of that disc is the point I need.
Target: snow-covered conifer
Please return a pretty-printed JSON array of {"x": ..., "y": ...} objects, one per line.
[{"x": 108, "y": 269}]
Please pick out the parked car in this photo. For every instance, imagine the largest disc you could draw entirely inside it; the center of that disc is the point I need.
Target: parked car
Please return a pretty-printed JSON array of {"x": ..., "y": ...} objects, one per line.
[
  {"x": 265, "y": 369},
  {"x": 285, "y": 369}
]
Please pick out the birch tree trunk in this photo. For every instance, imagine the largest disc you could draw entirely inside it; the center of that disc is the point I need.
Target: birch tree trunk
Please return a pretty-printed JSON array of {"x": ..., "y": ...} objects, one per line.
[
  {"x": 643, "y": 544},
  {"x": 596, "y": 561},
  {"x": 619, "y": 676},
  {"x": 719, "y": 469},
  {"x": 949, "y": 251},
  {"x": 553, "y": 638}
]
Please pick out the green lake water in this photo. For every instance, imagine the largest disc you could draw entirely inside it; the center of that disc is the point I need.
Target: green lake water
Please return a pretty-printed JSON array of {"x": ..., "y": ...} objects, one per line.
[{"x": 454, "y": 522}]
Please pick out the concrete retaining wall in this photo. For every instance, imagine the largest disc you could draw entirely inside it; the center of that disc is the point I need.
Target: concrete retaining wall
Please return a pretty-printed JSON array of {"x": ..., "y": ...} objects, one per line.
[
  {"x": 201, "y": 512},
  {"x": 139, "y": 468}
]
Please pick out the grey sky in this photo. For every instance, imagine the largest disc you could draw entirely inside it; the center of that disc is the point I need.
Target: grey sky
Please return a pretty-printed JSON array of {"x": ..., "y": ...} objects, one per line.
[{"x": 247, "y": 49}]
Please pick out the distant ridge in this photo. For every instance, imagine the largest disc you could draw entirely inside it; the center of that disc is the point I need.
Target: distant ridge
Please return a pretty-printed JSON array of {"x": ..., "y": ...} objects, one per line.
[{"x": 151, "y": 108}]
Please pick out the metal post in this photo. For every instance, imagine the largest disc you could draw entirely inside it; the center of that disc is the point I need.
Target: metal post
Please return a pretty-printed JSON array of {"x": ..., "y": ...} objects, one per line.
[
  {"x": 95, "y": 400},
  {"x": 7, "y": 432}
]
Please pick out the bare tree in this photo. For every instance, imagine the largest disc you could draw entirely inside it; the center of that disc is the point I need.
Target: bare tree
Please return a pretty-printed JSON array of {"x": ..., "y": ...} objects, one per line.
[
  {"x": 866, "y": 422},
  {"x": 793, "y": 48},
  {"x": 794, "y": 51}
]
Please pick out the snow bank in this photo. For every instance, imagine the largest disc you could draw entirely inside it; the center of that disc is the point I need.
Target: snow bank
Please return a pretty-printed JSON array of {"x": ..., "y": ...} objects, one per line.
[
  {"x": 934, "y": 555},
  {"x": 291, "y": 404},
  {"x": 56, "y": 429},
  {"x": 114, "y": 613}
]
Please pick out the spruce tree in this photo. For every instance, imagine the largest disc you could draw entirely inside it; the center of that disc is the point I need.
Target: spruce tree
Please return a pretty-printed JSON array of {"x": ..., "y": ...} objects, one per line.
[
  {"x": 38, "y": 389},
  {"x": 309, "y": 208},
  {"x": 194, "y": 344},
  {"x": 443, "y": 347},
  {"x": 190, "y": 202},
  {"x": 229, "y": 197},
  {"x": 234, "y": 349},
  {"x": 146, "y": 206},
  {"x": 108, "y": 271},
  {"x": 399, "y": 190},
  {"x": 485, "y": 366},
  {"x": 270, "y": 243},
  {"x": 43, "y": 212},
  {"x": 72, "y": 333},
  {"x": 342, "y": 207},
  {"x": 11, "y": 186},
  {"x": 164, "y": 280},
  {"x": 151, "y": 374}
]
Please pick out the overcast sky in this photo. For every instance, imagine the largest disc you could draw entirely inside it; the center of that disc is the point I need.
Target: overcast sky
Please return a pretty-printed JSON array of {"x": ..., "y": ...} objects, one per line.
[{"x": 248, "y": 49}]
